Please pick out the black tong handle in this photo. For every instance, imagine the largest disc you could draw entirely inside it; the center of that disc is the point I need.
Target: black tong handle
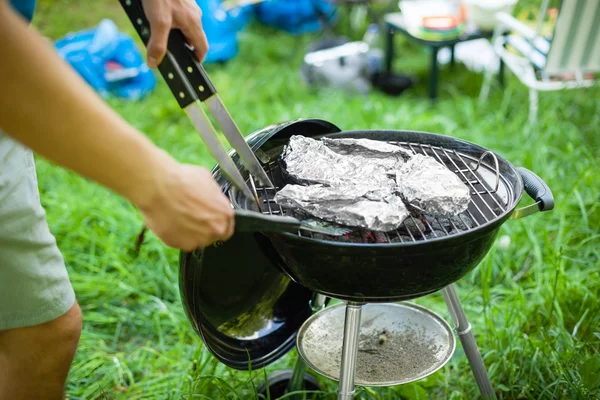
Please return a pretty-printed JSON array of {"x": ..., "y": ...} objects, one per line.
[
  {"x": 252, "y": 221},
  {"x": 180, "y": 68}
]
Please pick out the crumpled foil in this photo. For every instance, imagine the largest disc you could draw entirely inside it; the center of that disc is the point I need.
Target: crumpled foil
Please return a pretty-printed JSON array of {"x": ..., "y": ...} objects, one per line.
[
  {"x": 368, "y": 148},
  {"x": 367, "y": 183},
  {"x": 345, "y": 205},
  {"x": 431, "y": 188},
  {"x": 310, "y": 161},
  {"x": 350, "y": 181}
]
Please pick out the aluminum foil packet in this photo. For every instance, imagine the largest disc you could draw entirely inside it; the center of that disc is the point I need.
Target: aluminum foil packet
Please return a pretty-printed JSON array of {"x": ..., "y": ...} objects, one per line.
[
  {"x": 431, "y": 188},
  {"x": 347, "y": 181},
  {"x": 368, "y": 148},
  {"x": 310, "y": 161},
  {"x": 345, "y": 205}
]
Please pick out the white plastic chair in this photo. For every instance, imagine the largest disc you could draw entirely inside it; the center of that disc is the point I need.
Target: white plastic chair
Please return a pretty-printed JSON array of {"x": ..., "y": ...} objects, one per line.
[{"x": 574, "y": 49}]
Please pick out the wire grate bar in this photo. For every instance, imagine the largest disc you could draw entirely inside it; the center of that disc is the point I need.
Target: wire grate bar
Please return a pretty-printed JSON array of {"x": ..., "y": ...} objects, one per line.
[
  {"x": 467, "y": 181},
  {"x": 479, "y": 181},
  {"x": 471, "y": 202},
  {"x": 476, "y": 192},
  {"x": 418, "y": 227},
  {"x": 415, "y": 228},
  {"x": 399, "y": 236},
  {"x": 436, "y": 219}
]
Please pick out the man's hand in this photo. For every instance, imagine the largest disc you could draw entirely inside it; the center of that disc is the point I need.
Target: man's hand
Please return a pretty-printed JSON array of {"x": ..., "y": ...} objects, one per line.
[
  {"x": 165, "y": 15},
  {"x": 188, "y": 210}
]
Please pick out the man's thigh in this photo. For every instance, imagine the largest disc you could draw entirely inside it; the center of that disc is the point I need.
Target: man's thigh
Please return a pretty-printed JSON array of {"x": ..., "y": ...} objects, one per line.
[{"x": 34, "y": 285}]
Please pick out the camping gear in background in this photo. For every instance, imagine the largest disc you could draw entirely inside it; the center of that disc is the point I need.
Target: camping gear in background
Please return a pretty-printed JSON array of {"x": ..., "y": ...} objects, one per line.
[
  {"x": 477, "y": 55},
  {"x": 396, "y": 23},
  {"x": 339, "y": 63},
  {"x": 221, "y": 23},
  {"x": 482, "y": 12},
  {"x": 568, "y": 61},
  {"x": 344, "y": 67},
  {"x": 433, "y": 19},
  {"x": 296, "y": 16},
  {"x": 352, "y": 66},
  {"x": 108, "y": 60}
]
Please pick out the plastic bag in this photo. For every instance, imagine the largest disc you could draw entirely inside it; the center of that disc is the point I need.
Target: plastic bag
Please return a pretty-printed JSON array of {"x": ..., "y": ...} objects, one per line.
[
  {"x": 108, "y": 60},
  {"x": 221, "y": 28}
]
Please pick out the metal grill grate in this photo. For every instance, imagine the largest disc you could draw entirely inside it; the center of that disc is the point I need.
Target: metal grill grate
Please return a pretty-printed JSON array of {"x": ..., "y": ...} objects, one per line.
[{"x": 487, "y": 201}]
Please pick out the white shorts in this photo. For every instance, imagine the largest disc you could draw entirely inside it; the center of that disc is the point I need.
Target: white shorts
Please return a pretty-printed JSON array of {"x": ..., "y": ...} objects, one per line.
[{"x": 34, "y": 285}]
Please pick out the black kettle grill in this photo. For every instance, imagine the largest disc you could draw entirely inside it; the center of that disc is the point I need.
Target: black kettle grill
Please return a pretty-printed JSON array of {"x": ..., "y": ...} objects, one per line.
[
  {"x": 248, "y": 297},
  {"x": 254, "y": 297}
]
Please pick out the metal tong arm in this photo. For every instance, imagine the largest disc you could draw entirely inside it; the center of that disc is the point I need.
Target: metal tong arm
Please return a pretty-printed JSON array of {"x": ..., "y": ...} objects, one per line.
[{"x": 252, "y": 221}]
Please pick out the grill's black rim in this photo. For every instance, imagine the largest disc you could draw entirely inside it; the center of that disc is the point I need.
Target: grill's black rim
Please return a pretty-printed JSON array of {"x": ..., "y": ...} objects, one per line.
[{"x": 463, "y": 236}]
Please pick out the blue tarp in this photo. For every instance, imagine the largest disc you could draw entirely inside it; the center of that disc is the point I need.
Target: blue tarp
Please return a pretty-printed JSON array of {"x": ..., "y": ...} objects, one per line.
[
  {"x": 295, "y": 16},
  {"x": 221, "y": 28},
  {"x": 108, "y": 60}
]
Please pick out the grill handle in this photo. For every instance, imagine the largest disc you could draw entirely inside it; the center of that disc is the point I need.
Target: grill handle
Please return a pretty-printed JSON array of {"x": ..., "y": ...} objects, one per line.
[{"x": 538, "y": 190}]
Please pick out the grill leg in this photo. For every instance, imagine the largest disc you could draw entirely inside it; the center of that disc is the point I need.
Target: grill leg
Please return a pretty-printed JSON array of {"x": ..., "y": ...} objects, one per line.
[
  {"x": 463, "y": 329},
  {"x": 349, "y": 351},
  {"x": 296, "y": 383}
]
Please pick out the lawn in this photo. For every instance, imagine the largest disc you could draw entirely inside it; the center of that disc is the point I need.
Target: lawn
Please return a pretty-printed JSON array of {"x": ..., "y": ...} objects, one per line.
[{"x": 533, "y": 302}]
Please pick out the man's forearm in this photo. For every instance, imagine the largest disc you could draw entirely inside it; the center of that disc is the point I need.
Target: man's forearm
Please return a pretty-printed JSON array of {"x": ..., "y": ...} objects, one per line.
[{"x": 46, "y": 106}]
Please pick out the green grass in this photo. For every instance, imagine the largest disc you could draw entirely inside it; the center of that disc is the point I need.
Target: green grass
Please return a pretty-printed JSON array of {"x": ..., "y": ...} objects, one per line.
[{"x": 534, "y": 305}]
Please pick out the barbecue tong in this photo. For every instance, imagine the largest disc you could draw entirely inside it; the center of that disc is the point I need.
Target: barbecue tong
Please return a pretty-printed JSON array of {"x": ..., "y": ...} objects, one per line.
[
  {"x": 191, "y": 86},
  {"x": 189, "y": 83}
]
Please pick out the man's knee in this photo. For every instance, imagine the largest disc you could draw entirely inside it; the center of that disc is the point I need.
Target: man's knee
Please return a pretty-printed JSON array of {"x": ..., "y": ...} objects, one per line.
[{"x": 41, "y": 353}]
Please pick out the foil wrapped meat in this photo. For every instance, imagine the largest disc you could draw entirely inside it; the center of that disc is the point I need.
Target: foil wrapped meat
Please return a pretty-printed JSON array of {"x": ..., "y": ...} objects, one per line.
[
  {"x": 367, "y": 183},
  {"x": 331, "y": 163},
  {"x": 368, "y": 148},
  {"x": 431, "y": 188},
  {"x": 347, "y": 181},
  {"x": 350, "y": 206}
]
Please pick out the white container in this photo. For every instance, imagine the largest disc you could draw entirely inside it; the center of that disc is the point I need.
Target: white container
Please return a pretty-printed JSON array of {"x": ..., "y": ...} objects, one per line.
[
  {"x": 482, "y": 12},
  {"x": 413, "y": 11}
]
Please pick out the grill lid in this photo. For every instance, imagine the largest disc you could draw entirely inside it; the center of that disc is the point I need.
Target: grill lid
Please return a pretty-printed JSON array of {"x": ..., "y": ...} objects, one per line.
[{"x": 237, "y": 295}]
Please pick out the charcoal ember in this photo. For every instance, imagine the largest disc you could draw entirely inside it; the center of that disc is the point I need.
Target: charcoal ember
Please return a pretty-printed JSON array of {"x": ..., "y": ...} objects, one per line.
[
  {"x": 437, "y": 224},
  {"x": 463, "y": 222},
  {"x": 380, "y": 237},
  {"x": 431, "y": 188},
  {"x": 412, "y": 226},
  {"x": 353, "y": 237},
  {"x": 320, "y": 236},
  {"x": 374, "y": 237},
  {"x": 368, "y": 237},
  {"x": 401, "y": 239},
  {"x": 445, "y": 222},
  {"x": 435, "y": 234},
  {"x": 344, "y": 207}
]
